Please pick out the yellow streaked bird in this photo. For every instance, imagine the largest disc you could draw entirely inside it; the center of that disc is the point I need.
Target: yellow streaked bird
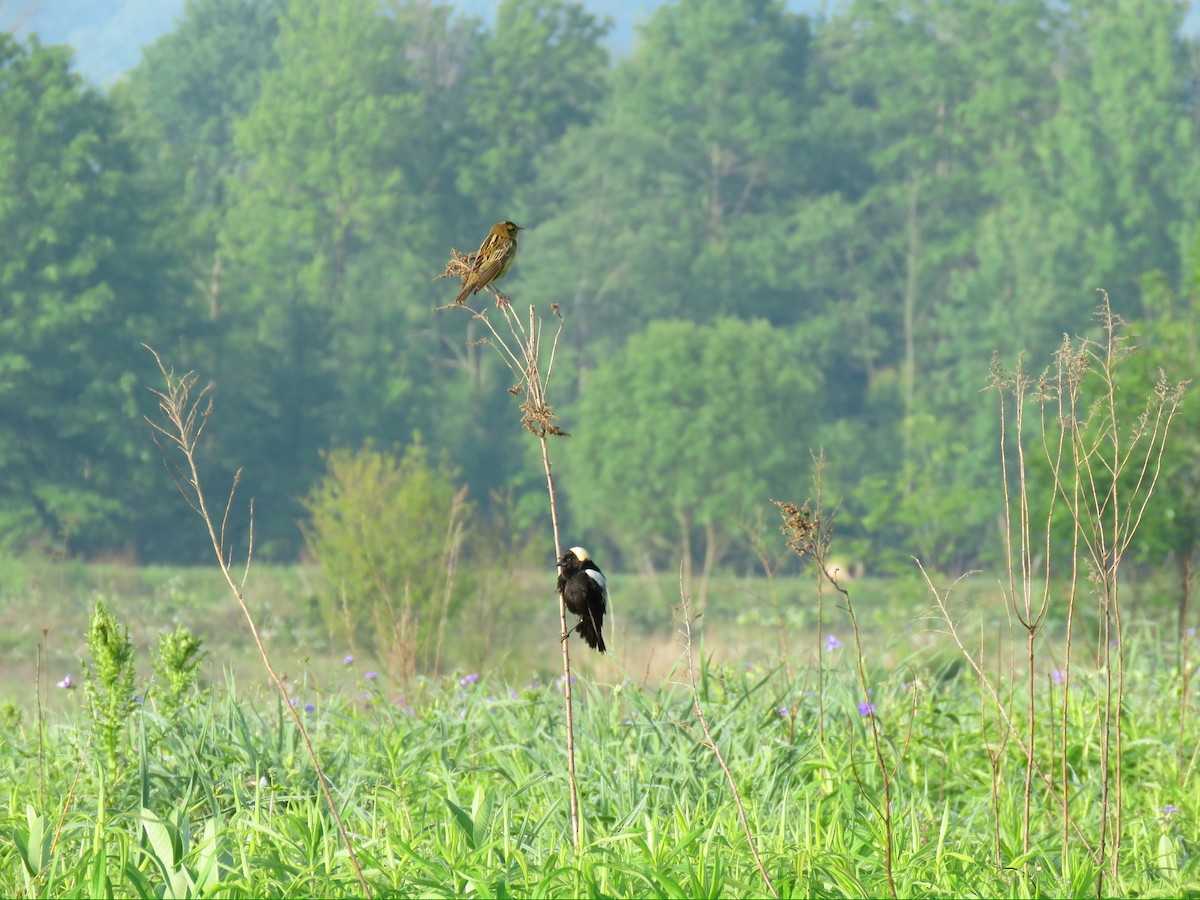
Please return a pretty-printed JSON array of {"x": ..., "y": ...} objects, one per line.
[{"x": 495, "y": 257}]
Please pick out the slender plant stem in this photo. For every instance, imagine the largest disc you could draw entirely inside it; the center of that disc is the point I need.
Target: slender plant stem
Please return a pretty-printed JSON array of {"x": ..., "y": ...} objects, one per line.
[
  {"x": 576, "y": 830},
  {"x": 810, "y": 534},
  {"x": 709, "y": 740},
  {"x": 41, "y": 753},
  {"x": 185, "y": 421},
  {"x": 941, "y": 598},
  {"x": 524, "y": 363}
]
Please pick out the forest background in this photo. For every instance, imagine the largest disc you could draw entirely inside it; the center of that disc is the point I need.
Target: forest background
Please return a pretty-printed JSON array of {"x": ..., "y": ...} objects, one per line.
[{"x": 768, "y": 233}]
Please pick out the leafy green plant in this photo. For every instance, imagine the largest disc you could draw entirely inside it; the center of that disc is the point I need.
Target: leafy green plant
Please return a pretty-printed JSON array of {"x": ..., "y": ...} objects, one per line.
[
  {"x": 176, "y": 661},
  {"x": 386, "y": 531},
  {"x": 459, "y": 791},
  {"x": 33, "y": 843},
  {"x": 109, "y": 682},
  {"x": 188, "y": 868}
]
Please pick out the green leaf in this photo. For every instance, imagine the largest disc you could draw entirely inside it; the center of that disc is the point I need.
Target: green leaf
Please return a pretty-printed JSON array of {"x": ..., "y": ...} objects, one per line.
[
  {"x": 463, "y": 819},
  {"x": 33, "y": 845},
  {"x": 163, "y": 840}
]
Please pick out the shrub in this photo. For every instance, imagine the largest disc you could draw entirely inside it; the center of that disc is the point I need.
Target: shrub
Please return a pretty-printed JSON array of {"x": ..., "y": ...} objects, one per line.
[{"x": 386, "y": 531}]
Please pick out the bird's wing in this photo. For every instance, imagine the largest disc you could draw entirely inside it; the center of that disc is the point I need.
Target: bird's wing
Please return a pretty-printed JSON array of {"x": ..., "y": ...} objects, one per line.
[
  {"x": 597, "y": 576},
  {"x": 488, "y": 270}
]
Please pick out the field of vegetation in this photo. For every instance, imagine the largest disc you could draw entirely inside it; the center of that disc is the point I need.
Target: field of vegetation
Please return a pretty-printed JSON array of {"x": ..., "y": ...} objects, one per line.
[
  {"x": 786, "y": 253},
  {"x": 455, "y": 784},
  {"x": 1027, "y": 734}
]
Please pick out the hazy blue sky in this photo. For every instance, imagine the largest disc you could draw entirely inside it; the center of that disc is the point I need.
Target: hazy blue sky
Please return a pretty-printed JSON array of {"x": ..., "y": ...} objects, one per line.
[{"x": 108, "y": 34}]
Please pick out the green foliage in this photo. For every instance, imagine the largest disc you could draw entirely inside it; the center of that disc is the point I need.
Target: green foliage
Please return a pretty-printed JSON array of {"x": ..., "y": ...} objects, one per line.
[
  {"x": 687, "y": 430},
  {"x": 189, "y": 89},
  {"x": 674, "y": 202},
  {"x": 938, "y": 514},
  {"x": 386, "y": 531},
  {"x": 187, "y": 868},
  {"x": 911, "y": 184},
  {"x": 541, "y": 73},
  {"x": 177, "y": 660},
  {"x": 457, "y": 791},
  {"x": 80, "y": 275},
  {"x": 33, "y": 843},
  {"x": 109, "y": 683},
  {"x": 10, "y": 715}
]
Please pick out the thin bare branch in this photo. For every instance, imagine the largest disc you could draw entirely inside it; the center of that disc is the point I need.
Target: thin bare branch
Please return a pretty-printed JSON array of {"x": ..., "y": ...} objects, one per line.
[
  {"x": 185, "y": 420},
  {"x": 711, "y": 742}
]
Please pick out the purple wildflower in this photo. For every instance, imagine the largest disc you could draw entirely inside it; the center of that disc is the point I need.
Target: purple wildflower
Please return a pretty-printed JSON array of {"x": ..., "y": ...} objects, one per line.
[
  {"x": 865, "y": 708},
  {"x": 66, "y": 683},
  {"x": 347, "y": 659},
  {"x": 308, "y": 707},
  {"x": 1169, "y": 810},
  {"x": 832, "y": 643},
  {"x": 1058, "y": 676},
  {"x": 783, "y": 712},
  {"x": 468, "y": 680},
  {"x": 371, "y": 676}
]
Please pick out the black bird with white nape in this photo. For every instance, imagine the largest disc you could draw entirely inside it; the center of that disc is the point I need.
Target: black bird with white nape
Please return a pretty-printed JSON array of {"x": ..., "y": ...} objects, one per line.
[{"x": 585, "y": 594}]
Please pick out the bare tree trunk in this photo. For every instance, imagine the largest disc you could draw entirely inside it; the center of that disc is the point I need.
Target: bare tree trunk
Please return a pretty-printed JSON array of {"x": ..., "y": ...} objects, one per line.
[
  {"x": 912, "y": 266},
  {"x": 685, "y": 547},
  {"x": 712, "y": 552},
  {"x": 1185, "y": 666}
]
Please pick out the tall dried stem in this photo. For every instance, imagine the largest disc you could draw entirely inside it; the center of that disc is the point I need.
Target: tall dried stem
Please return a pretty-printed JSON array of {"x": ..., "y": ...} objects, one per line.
[
  {"x": 941, "y": 598},
  {"x": 809, "y": 535},
  {"x": 183, "y": 421},
  {"x": 1114, "y": 468},
  {"x": 521, "y": 350},
  {"x": 685, "y": 610},
  {"x": 1102, "y": 470},
  {"x": 1023, "y": 581}
]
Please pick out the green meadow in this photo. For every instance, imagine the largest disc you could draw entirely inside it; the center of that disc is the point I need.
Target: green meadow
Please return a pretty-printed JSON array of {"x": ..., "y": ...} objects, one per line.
[
  {"x": 778, "y": 272},
  {"x": 455, "y": 784}
]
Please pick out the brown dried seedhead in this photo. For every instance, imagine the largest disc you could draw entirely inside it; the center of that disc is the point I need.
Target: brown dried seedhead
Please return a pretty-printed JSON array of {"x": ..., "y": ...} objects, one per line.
[
  {"x": 459, "y": 266},
  {"x": 807, "y": 533},
  {"x": 540, "y": 419}
]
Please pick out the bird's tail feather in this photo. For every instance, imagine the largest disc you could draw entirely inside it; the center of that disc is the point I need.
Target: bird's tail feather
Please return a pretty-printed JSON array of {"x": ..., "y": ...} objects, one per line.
[{"x": 590, "y": 632}]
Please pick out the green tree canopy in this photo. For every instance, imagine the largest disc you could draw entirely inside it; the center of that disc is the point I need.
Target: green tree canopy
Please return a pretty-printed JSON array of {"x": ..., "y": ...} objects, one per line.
[
  {"x": 685, "y": 431},
  {"x": 669, "y": 205},
  {"x": 541, "y": 72},
  {"x": 82, "y": 283}
]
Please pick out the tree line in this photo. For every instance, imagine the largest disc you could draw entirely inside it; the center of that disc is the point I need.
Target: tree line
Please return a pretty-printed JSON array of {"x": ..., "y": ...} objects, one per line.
[{"x": 768, "y": 234}]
